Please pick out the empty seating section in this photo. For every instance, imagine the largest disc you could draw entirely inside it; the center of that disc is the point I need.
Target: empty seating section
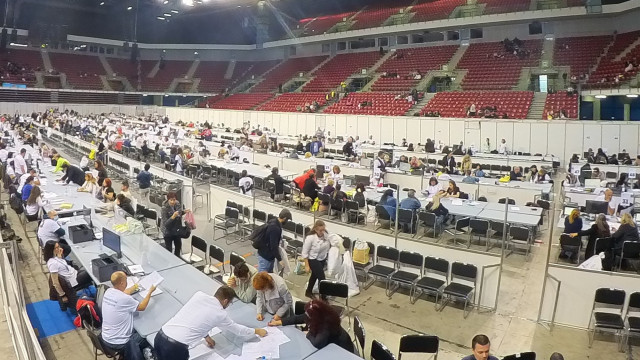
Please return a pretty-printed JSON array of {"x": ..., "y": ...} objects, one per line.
[
  {"x": 210, "y": 101},
  {"x": 579, "y": 53},
  {"x": 19, "y": 66},
  {"x": 338, "y": 69},
  {"x": 559, "y": 101},
  {"x": 377, "y": 104},
  {"x": 322, "y": 24},
  {"x": 165, "y": 75},
  {"x": 241, "y": 101},
  {"x": 409, "y": 60},
  {"x": 608, "y": 68},
  {"x": 287, "y": 70},
  {"x": 505, "y": 6},
  {"x": 454, "y": 104},
  {"x": 291, "y": 102},
  {"x": 434, "y": 10},
  {"x": 211, "y": 75},
  {"x": 244, "y": 70},
  {"x": 377, "y": 15},
  {"x": 83, "y": 71},
  {"x": 490, "y": 67}
]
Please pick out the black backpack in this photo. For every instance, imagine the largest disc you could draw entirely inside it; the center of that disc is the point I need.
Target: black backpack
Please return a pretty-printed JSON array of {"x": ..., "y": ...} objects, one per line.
[
  {"x": 16, "y": 203},
  {"x": 257, "y": 236}
]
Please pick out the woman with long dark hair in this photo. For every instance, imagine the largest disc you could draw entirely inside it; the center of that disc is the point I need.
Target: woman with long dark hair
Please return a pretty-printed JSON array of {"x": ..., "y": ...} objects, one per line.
[
  {"x": 59, "y": 268},
  {"x": 102, "y": 171},
  {"x": 34, "y": 204},
  {"x": 323, "y": 324},
  {"x": 315, "y": 251}
]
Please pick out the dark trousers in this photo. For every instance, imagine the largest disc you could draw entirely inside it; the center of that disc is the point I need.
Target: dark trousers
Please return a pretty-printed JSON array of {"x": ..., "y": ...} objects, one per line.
[
  {"x": 173, "y": 243},
  {"x": 132, "y": 349},
  {"x": 169, "y": 349},
  {"x": 317, "y": 273}
]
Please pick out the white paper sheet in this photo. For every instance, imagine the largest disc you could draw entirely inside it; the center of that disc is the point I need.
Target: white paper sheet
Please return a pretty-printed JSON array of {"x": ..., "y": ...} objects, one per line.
[
  {"x": 136, "y": 269},
  {"x": 152, "y": 279}
]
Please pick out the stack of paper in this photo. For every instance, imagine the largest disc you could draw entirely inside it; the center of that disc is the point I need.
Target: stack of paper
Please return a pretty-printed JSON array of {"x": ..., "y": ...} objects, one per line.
[
  {"x": 268, "y": 346},
  {"x": 148, "y": 281}
]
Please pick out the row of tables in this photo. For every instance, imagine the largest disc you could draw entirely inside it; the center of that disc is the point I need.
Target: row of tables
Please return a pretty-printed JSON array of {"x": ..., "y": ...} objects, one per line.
[{"x": 181, "y": 280}]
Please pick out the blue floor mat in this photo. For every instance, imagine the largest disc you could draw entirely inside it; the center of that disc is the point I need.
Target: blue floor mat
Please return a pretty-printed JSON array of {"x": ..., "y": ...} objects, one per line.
[{"x": 48, "y": 319}]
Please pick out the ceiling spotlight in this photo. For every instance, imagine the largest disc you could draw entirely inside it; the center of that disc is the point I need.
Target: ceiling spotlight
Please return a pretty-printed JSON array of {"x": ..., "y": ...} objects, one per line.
[
  {"x": 167, "y": 14},
  {"x": 130, "y": 7},
  {"x": 165, "y": 2},
  {"x": 159, "y": 18},
  {"x": 632, "y": 95},
  {"x": 174, "y": 11},
  {"x": 601, "y": 96},
  {"x": 196, "y": 53},
  {"x": 102, "y": 3},
  {"x": 187, "y": 2}
]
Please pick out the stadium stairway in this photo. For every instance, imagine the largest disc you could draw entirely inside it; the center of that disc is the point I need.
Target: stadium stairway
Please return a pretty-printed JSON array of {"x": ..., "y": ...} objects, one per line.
[
  {"x": 415, "y": 109},
  {"x": 537, "y": 106}
]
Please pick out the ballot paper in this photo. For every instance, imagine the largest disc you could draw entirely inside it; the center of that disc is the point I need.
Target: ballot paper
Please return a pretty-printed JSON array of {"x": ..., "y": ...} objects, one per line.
[
  {"x": 515, "y": 208},
  {"x": 135, "y": 269},
  {"x": 200, "y": 348},
  {"x": 457, "y": 202},
  {"x": 268, "y": 346},
  {"x": 148, "y": 281}
]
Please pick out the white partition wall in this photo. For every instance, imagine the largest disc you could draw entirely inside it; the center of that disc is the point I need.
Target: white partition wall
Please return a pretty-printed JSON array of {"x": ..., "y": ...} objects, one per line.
[{"x": 575, "y": 289}]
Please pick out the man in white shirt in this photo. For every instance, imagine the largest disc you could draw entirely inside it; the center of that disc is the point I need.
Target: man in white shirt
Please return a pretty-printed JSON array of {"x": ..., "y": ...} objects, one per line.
[
  {"x": 246, "y": 184},
  {"x": 23, "y": 179},
  {"x": 379, "y": 168},
  {"x": 19, "y": 164},
  {"x": 234, "y": 152},
  {"x": 194, "y": 322},
  {"x": 181, "y": 133},
  {"x": 50, "y": 230},
  {"x": 4, "y": 153},
  {"x": 165, "y": 131},
  {"x": 502, "y": 148},
  {"x": 613, "y": 202},
  {"x": 118, "y": 307}
]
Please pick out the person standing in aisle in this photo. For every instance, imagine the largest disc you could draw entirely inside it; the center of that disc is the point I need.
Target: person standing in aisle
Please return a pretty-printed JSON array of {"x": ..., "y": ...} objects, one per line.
[
  {"x": 269, "y": 244},
  {"x": 315, "y": 251},
  {"x": 172, "y": 223}
]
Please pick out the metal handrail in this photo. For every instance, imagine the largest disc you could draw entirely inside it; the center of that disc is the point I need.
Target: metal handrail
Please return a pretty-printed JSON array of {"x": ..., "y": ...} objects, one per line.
[{"x": 551, "y": 323}]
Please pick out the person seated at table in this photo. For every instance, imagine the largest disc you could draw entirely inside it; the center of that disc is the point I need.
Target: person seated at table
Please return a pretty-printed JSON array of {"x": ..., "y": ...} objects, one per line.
[
  {"x": 279, "y": 182},
  {"x": 34, "y": 204},
  {"x": 329, "y": 188},
  {"x": 597, "y": 174},
  {"x": 441, "y": 212},
  {"x": 626, "y": 232},
  {"x": 118, "y": 308},
  {"x": 402, "y": 159},
  {"x": 336, "y": 174},
  {"x": 607, "y": 196},
  {"x": 601, "y": 157},
  {"x": 311, "y": 187},
  {"x": 23, "y": 181},
  {"x": 195, "y": 320},
  {"x": 109, "y": 196},
  {"x": 416, "y": 163},
  {"x": 410, "y": 147},
  {"x": 59, "y": 268},
  {"x": 358, "y": 195},
  {"x": 26, "y": 189},
  {"x": 102, "y": 171},
  {"x": 241, "y": 281},
  {"x": 300, "y": 180},
  {"x": 347, "y": 148},
  {"x": 410, "y": 202},
  {"x": 106, "y": 184},
  {"x": 469, "y": 178},
  {"x": 573, "y": 222},
  {"x": 272, "y": 295},
  {"x": 430, "y": 146},
  {"x": 124, "y": 190},
  {"x": 532, "y": 174},
  {"x": 123, "y": 204},
  {"x": 388, "y": 201},
  {"x": 622, "y": 181},
  {"x": 323, "y": 325},
  {"x": 453, "y": 191},
  {"x": 245, "y": 183},
  {"x": 516, "y": 174},
  {"x": 599, "y": 229},
  {"x": 73, "y": 174},
  {"x": 434, "y": 187},
  {"x": 50, "y": 230},
  {"x": 542, "y": 177},
  {"x": 338, "y": 194},
  {"x": 90, "y": 184}
]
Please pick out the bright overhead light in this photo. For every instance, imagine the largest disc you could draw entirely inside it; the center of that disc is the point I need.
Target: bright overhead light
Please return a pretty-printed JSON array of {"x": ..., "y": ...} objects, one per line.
[
  {"x": 16, "y": 44},
  {"x": 187, "y": 2},
  {"x": 167, "y": 14},
  {"x": 102, "y": 3},
  {"x": 159, "y": 18},
  {"x": 174, "y": 11},
  {"x": 632, "y": 95},
  {"x": 130, "y": 7},
  {"x": 601, "y": 96},
  {"x": 165, "y": 2}
]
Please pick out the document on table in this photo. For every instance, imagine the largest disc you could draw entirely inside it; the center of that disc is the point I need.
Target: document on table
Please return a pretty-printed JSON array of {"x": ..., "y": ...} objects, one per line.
[
  {"x": 135, "y": 269},
  {"x": 150, "y": 280},
  {"x": 457, "y": 202},
  {"x": 268, "y": 346},
  {"x": 515, "y": 208},
  {"x": 197, "y": 350}
]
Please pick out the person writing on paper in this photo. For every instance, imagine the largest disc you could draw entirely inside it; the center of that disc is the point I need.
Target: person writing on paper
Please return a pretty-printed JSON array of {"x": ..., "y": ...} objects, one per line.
[
  {"x": 613, "y": 202},
  {"x": 323, "y": 325},
  {"x": 242, "y": 282},
  {"x": 336, "y": 175},
  {"x": 194, "y": 322},
  {"x": 123, "y": 205},
  {"x": 626, "y": 232},
  {"x": 434, "y": 187},
  {"x": 73, "y": 174},
  {"x": 118, "y": 307},
  {"x": 542, "y": 177},
  {"x": 453, "y": 190},
  {"x": 50, "y": 230},
  {"x": 272, "y": 296},
  {"x": 438, "y": 210},
  {"x": 315, "y": 251},
  {"x": 90, "y": 184}
]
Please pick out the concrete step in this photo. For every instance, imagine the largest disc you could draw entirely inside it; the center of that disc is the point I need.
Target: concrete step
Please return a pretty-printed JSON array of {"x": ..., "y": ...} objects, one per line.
[
  {"x": 230, "y": 69},
  {"x": 46, "y": 61},
  {"x": 192, "y": 69},
  {"x": 455, "y": 59},
  {"x": 537, "y": 106},
  {"x": 627, "y": 50}
]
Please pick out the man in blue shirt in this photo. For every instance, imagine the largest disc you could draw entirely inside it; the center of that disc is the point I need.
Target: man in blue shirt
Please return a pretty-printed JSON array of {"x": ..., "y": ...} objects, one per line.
[
  {"x": 314, "y": 149},
  {"x": 481, "y": 347},
  {"x": 479, "y": 171},
  {"x": 413, "y": 204},
  {"x": 144, "y": 180}
]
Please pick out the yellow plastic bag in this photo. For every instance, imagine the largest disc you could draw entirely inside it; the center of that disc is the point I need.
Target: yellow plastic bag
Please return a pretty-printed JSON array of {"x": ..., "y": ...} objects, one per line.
[
  {"x": 361, "y": 252},
  {"x": 505, "y": 179},
  {"x": 315, "y": 205},
  {"x": 92, "y": 154}
]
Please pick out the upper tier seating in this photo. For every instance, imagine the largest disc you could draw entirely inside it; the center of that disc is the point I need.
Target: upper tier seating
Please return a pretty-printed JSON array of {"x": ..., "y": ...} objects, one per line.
[
  {"x": 241, "y": 101},
  {"x": 579, "y": 53},
  {"x": 165, "y": 75},
  {"x": 608, "y": 68},
  {"x": 287, "y": 70},
  {"x": 559, "y": 101},
  {"x": 322, "y": 24},
  {"x": 211, "y": 75},
  {"x": 377, "y": 15},
  {"x": 380, "y": 104},
  {"x": 128, "y": 69},
  {"x": 19, "y": 66},
  {"x": 434, "y": 10},
  {"x": 244, "y": 70},
  {"x": 505, "y": 6},
  {"x": 83, "y": 71},
  {"x": 488, "y": 71},
  {"x": 338, "y": 69},
  {"x": 210, "y": 101},
  {"x": 455, "y": 104},
  {"x": 292, "y": 102},
  {"x": 407, "y": 61}
]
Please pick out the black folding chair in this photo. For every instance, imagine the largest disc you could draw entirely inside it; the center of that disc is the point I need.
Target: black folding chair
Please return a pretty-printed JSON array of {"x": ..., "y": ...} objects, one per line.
[
  {"x": 384, "y": 219},
  {"x": 530, "y": 355},
  {"x": 409, "y": 271},
  {"x": 435, "y": 277},
  {"x": 235, "y": 259},
  {"x": 519, "y": 235},
  {"x": 460, "y": 228},
  {"x": 632, "y": 318},
  {"x": 630, "y": 251},
  {"x": 480, "y": 229},
  {"x": 428, "y": 221},
  {"x": 339, "y": 290},
  {"x": 385, "y": 264},
  {"x": 200, "y": 244},
  {"x": 462, "y": 285},
  {"x": 216, "y": 253},
  {"x": 380, "y": 352},
  {"x": 570, "y": 244},
  {"x": 420, "y": 344},
  {"x": 359, "y": 335},
  {"x": 606, "y": 314}
]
